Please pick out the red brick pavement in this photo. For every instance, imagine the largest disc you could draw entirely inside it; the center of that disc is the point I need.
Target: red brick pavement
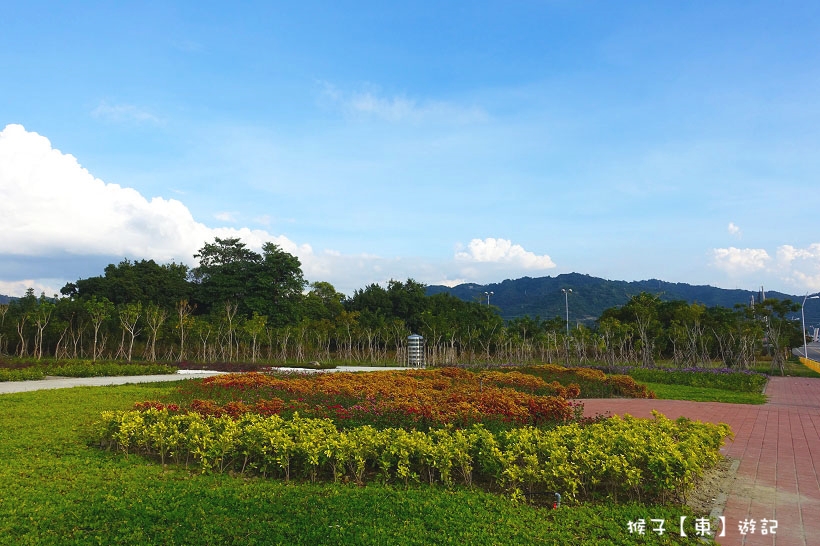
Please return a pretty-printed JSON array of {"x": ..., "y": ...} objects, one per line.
[{"x": 778, "y": 447}]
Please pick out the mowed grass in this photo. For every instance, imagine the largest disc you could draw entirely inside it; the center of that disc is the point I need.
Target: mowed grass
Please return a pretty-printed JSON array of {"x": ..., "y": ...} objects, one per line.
[
  {"x": 667, "y": 391},
  {"x": 55, "y": 488},
  {"x": 703, "y": 394}
]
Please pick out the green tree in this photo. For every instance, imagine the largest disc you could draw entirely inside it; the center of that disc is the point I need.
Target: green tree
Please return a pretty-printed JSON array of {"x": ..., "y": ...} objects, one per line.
[
  {"x": 4, "y": 309},
  {"x": 155, "y": 317},
  {"x": 641, "y": 312},
  {"x": 184, "y": 320},
  {"x": 224, "y": 273},
  {"x": 129, "y": 315},
  {"x": 254, "y": 327},
  {"x": 40, "y": 317},
  {"x": 322, "y": 302},
  {"x": 782, "y": 333},
  {"x": 99, "y": 310},
  {"x": 142, "y": 281},
  {"x": 269, "y": 284}
]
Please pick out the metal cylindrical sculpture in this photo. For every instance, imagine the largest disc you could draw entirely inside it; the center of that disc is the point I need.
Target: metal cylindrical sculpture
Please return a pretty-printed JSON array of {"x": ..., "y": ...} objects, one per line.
[{"x": 415, "y": 351}]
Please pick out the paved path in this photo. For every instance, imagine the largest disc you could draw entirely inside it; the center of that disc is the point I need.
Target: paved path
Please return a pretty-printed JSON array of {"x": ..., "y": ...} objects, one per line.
[
  {"x": 778, "y": 446},
  {"x": 812, "y": 351}
]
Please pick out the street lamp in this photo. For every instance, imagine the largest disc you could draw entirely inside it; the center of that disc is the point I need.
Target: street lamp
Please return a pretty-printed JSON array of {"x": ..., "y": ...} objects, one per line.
[
  {"x": 803, "y": 316},
  {"x": 567, "y": 292},
  {"x": 488, "y": 294}
]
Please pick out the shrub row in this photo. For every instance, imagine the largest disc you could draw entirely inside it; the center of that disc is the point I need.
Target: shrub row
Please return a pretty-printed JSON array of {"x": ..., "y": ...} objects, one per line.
[
  {"x": 644, "y": 459},
  {"x": 22, "y": 370}
]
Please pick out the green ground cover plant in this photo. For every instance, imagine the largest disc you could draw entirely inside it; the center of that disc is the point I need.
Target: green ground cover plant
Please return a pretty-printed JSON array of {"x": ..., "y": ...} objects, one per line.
[
  {"x": 27, "y": 369},
  {"x": 56, "y": 488},
  {"x": 665, "y": 391},
  {"x": 716, "y": 378}
]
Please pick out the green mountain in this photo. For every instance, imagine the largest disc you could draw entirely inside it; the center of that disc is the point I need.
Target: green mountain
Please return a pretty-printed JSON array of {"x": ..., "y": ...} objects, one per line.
[{"x": 590, "y": 296}]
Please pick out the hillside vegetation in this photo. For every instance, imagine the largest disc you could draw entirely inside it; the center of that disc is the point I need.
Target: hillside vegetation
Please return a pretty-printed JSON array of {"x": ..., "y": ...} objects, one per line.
[{"x": 591, "y": 296}]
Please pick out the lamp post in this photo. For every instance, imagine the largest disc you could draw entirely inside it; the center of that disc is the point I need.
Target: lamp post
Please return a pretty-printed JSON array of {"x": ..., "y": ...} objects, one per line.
[
  {"x": 488, "y": 294},
  {"x": 803, "y": 317},
  {"x": 567, "y": 292}
]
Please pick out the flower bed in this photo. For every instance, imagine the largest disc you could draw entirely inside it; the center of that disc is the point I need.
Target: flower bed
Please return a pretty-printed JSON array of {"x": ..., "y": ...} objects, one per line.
[
  {"x": 512, "y": 431},
  {"x": 418, "y": 399},
  {"x": 592, "y": 382}
]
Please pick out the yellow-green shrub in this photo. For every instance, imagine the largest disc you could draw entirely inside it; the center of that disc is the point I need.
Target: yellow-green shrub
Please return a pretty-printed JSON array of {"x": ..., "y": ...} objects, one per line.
[{"x": 616, "y": 458}]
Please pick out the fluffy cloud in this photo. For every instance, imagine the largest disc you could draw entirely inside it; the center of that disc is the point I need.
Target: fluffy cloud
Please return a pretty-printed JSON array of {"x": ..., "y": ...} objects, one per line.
[
  {"x": 787, "y": 254},
  {"x": 801, "y": 265},
  {"x": 798, "y": 267},
  {"x": 50, "y": 204},
  {"x": 503, "y": 251},
  {"x": 740, "y": 260},
  {"x": 734, "y": 230}
]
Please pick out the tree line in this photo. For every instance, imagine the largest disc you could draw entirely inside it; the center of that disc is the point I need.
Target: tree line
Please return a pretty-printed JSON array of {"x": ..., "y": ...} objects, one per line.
[{"x": 240, "y": 305}]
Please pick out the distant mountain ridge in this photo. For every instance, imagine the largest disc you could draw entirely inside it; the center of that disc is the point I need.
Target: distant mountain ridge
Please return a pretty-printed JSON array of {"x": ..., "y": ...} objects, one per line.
[{"x": 542, "y": 296}]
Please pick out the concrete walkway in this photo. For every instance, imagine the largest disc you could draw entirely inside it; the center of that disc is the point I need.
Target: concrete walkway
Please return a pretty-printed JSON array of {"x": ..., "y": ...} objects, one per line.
[{"x": 778, "y": 446}]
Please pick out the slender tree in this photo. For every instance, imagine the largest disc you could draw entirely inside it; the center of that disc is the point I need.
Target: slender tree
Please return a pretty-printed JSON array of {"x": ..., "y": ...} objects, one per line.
[
  {"x": 129, "y": 315},
  {"x": 99, "y": 310}
]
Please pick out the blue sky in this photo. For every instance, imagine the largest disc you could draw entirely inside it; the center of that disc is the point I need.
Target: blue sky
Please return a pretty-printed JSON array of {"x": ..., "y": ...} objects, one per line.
[{"x": 447, "y": 142}]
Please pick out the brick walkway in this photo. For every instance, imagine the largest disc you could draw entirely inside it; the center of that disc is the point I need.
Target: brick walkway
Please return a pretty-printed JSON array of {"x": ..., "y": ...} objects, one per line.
[{"x": 778, "y": 446}]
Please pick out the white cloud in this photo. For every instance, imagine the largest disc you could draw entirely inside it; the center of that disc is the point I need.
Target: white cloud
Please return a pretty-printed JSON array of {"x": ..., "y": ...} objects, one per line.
[
  {"x": 740, "y": 260},
  {"x": 800, "y": 266},
  {"x": 225, "y": 216},
  {"x": 451, "y": 282},
  {"x": 734, "y": 230},
  {"x": 502, "y": 251},
  {"x": 50, "y": 204},
  {"x": 811, "y": 283},
  {"x": 124, "y": 113},
  {"x": 371, "y": 103},
  {"x": 394, "y": 109},
  {"x": 786, "y": 254},
  {"x": 40, "y": 286},
  {"x": 796, "y": 267}
]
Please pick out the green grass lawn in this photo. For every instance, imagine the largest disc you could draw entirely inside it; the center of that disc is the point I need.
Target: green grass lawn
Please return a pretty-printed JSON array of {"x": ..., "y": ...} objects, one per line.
[
  {"x": 793, "y": 368},
  {"x": 55, "y": 488},
  {"x": 704, "y": 394}
]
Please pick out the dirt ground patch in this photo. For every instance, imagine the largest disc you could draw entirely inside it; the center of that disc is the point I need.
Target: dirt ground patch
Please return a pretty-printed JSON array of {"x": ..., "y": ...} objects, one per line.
[{"x": 708, "y": 496}]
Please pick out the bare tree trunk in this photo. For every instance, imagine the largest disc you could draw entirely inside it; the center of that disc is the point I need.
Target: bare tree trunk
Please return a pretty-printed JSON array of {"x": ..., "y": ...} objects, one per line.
[{"x": 21, "y": 325}]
